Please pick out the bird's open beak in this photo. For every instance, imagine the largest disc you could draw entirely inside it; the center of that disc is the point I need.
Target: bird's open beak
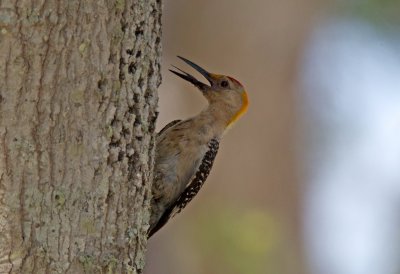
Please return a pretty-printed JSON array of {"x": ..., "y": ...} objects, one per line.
[{"x": 191, "y": 78}]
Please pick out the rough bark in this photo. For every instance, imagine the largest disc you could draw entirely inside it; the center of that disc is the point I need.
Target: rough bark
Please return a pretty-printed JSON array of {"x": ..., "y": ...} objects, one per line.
[{"x": 78, "y": 86}]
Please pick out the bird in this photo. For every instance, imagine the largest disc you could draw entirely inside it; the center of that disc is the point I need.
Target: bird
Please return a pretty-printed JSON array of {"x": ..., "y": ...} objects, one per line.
[{"x": 185, "y": 149}]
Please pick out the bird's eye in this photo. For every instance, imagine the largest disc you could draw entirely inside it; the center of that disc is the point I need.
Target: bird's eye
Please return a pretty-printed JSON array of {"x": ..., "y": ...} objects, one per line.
[{"x": 224, "y": 84}]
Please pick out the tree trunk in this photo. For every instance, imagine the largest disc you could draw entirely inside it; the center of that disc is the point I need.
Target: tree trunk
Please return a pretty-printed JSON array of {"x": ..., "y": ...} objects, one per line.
[{"x": 78, "y": 84}]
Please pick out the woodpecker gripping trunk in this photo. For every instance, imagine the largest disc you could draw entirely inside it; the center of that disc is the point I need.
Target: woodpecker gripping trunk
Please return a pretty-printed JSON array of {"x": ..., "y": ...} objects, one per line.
[{"x": 185, "y": 150}]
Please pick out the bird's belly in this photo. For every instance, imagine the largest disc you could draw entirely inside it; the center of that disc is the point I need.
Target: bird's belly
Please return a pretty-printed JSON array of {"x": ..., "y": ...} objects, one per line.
[{"x": 174, "y": 173}]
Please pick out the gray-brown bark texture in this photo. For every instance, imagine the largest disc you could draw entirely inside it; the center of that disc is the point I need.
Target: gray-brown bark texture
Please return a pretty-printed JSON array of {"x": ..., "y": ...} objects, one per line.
[{"x": 78, "y": 84}]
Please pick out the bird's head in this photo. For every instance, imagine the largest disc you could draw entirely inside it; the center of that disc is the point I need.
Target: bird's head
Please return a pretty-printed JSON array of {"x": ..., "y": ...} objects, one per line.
[{"x": 222, "y": 92}]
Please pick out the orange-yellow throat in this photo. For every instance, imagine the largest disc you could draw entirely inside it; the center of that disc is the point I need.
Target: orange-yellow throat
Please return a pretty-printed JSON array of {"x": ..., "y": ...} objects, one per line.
[{"x": 242, "y": 110}]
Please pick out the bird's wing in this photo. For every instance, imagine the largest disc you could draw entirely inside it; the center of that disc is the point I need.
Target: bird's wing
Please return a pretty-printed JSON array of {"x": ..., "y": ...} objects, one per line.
[
  {"x": 192, "y": 188},
  {"x": 167, "y": 126}
]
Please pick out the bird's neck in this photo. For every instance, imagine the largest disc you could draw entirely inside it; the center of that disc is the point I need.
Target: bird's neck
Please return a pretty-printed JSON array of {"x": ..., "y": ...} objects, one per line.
[
  {"x": 217, "y": 117},
  {"x": 226, "y": 113}
]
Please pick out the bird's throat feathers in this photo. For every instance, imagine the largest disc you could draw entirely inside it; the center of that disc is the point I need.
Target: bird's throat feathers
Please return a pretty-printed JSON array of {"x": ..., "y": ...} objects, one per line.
[{"x": 242, "y": 110}]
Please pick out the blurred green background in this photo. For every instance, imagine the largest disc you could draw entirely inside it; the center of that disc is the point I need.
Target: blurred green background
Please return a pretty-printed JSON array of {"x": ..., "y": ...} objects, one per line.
[{"x": 255, "y": 214}]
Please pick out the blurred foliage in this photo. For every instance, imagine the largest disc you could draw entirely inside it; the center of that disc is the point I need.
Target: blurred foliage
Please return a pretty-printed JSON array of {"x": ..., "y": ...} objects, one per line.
[
  {"x": 380, "y": 12},
  {"x": 239, "y": 241}
]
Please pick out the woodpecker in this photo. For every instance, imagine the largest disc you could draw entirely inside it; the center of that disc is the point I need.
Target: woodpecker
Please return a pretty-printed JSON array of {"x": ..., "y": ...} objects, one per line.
[{"x": 185, "y": 150}]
